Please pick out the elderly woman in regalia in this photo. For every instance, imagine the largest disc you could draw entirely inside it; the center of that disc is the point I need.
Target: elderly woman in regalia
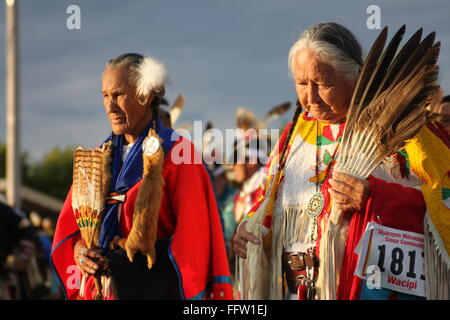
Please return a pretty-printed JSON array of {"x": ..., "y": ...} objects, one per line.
[
  {"x": 325, "y": 63},
  {"x": 159, "y": 233}
]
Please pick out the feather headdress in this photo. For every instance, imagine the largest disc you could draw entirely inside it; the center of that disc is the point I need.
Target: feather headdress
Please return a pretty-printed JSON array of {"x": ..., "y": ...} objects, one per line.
[
  {"x": 152, "y": 77},
  {"x": 277, "y": 111},
  {"x": 245, "y": 119},
  {"x": 388, "y": 107},
  {"x": 176, "y": 109}
]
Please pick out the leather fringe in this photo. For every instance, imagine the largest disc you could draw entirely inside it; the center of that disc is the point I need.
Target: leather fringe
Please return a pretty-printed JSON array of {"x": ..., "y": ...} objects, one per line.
[{"x": 437, "y": 264}]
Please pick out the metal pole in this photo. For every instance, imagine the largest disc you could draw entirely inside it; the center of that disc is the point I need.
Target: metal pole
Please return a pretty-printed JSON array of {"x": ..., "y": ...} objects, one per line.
[{"x": 13, "y": 163}]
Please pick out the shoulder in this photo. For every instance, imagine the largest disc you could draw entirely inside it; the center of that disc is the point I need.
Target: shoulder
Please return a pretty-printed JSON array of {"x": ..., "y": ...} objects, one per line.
[
  {"x": 303, "y": 119},
  {"x": 439, "y": 131},
  {"x": 184, "y": 162},
  {"x": 183, "y": 152}
]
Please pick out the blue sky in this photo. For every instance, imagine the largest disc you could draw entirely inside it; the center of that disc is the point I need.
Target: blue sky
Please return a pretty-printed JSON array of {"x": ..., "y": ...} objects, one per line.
[{"x": 221, "y": 54}]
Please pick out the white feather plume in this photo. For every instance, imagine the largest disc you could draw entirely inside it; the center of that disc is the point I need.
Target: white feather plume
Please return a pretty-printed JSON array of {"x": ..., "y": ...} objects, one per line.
[{"x": 152, "y": 76}]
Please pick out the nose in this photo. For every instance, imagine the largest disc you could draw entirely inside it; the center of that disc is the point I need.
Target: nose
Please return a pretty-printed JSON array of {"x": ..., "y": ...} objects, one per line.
[
  {"x": 313, "y": 94},
  {"x": 110, "y": 105}
]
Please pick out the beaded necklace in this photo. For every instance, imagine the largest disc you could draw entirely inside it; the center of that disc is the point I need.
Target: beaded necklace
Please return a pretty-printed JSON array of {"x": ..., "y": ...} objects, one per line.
[{"x": 317, "y": 201}]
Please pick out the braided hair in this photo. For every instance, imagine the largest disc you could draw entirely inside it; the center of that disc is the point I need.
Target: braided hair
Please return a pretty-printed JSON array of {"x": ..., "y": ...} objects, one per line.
[
  {"x": 283, "y": 157},
  {"x": 155, "y": 114}
]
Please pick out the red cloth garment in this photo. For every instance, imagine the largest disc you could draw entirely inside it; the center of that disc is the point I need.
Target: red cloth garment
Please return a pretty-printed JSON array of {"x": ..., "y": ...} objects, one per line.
[
  {"x": 188, "y": 216},
  {"x": 390, "y": 205}
]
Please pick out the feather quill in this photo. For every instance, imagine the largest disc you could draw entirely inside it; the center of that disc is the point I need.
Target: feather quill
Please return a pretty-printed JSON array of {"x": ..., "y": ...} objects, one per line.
[
  {"x": 277, "y": 112},
  {"x": 176, "y": 109}
]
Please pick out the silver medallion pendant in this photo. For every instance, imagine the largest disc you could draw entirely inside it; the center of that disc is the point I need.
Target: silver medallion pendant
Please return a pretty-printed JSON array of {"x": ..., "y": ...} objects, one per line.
[{"x": 315, "y": 205}]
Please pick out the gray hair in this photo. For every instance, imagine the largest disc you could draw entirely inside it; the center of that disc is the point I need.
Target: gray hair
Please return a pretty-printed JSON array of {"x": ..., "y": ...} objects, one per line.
[
  {"x": 146, "y": 74},
  {"x": 332, "y": 43}
]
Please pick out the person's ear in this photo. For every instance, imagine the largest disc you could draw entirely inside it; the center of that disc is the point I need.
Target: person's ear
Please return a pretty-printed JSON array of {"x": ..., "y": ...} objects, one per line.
[{"x": 147, "y": 100}]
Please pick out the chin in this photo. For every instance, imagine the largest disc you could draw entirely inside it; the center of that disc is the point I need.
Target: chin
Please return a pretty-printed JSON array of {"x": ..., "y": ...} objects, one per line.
[
  {"x": 118, "y": 130},
  {"x": 326, "y": 117},
  {"x": 322, "y": 116},
  {"x": 327, "y": 120}
]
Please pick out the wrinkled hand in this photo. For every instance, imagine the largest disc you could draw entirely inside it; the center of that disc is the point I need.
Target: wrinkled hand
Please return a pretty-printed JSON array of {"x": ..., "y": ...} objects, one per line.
[
  {"x": 349, "y": 193},
  {"x": 88, "y": 260},
  {"x": 241, "y": 238}
]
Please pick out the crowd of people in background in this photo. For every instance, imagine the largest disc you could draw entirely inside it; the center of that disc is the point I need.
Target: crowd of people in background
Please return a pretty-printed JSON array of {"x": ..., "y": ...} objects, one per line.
[{"x": 25, "y": 246}]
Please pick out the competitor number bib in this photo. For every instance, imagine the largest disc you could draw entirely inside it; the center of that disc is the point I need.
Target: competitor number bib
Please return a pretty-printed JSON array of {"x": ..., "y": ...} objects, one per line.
[{"x": 396, "y": 255}]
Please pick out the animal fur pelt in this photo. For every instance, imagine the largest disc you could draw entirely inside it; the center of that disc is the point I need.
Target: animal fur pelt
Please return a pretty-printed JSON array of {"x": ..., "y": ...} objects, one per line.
[{"x": 142, "y": 236}]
